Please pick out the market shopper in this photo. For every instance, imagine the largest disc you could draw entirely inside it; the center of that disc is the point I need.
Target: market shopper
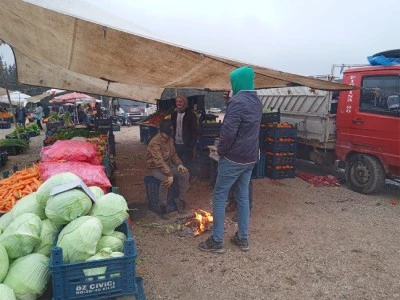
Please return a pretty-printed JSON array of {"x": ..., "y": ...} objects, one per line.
[
  {"x": 60, "y": 111},
  {"x": 185, "y": 127},
  {"x": 21, "y": 115},
  {"x": 165, "y": 165},
  {"x": 38, "y": 115},
  {"x": 97, "y": 107},
  {"x": 238, "y": 150}
]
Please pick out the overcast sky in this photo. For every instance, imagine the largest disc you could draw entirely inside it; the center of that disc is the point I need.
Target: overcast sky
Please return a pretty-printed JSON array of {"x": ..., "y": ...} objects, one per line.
[{"x": 303, "y": 37}]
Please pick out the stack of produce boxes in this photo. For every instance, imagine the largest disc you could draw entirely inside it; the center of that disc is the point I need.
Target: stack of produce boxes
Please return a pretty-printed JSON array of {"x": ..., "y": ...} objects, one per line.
[
  {"x": 267, "y": 118},
  {"x": 279, "y": 146}
]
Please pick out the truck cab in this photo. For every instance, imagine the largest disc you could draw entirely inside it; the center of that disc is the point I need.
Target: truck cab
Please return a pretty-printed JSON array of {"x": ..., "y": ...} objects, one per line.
[{"x": 368, "y": 127}]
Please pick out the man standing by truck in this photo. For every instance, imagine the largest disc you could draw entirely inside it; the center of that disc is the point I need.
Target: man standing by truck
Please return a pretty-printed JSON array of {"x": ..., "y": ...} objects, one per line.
[{"x": 238, "y": 150}]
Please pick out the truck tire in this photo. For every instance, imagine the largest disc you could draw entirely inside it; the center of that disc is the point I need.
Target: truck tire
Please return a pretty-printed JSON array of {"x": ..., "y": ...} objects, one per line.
[{"x": 365, "y": 174}]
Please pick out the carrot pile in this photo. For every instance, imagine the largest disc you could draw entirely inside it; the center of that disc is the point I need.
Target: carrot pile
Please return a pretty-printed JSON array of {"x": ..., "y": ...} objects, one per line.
[{"x": 18, "y": 185}]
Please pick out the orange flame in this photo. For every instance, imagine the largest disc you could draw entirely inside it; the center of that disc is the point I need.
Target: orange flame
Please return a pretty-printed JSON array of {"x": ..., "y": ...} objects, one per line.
[{"x": 203, "y": 218}]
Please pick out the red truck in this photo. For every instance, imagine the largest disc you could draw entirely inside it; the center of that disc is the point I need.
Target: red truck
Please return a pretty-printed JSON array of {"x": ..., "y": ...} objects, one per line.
[{"x": 360, "y": 129}]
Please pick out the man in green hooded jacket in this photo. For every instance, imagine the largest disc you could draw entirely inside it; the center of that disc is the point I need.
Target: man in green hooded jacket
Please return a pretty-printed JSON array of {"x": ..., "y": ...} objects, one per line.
[{"x": 238, "y": 150}]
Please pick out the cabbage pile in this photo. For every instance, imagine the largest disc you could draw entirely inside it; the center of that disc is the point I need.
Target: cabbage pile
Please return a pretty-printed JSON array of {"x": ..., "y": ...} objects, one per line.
[{"x": 85, "y": 232}]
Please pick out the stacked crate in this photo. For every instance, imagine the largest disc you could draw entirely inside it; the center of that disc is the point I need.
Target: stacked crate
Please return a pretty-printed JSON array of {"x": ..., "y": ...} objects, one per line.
[
  {"x": 279, "y": 145},
  {"x": 208, "y": 132},
  {"x": 259, "y": 168}
]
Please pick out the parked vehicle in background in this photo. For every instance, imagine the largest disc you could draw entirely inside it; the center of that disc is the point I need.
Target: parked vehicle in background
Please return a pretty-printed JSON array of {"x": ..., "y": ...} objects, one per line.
[
  {"x": 135, "y": 111},
  {"x": 359, "y": 129}
]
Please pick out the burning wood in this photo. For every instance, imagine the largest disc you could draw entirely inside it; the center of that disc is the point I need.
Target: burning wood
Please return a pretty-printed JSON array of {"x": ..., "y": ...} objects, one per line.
[{"x": 199, "y": 222}]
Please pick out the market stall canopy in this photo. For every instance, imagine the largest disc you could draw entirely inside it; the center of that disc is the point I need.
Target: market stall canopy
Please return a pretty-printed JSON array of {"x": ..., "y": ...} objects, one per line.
[
  {"x": 73, "y": 97},
  {"x": 17, "y": 98},
  {"x": 58, "y": 48},
  {"x": 38, "y": 98}
]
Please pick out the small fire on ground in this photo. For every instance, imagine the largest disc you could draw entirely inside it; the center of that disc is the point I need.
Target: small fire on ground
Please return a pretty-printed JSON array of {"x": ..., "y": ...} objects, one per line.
[{"x": 200, "y": 222}]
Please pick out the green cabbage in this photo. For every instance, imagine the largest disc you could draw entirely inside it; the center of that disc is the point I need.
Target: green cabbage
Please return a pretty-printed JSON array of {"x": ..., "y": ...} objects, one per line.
[
  {"x": 111, "y": 209},
  {"x": 28, "y": 276},
  {"x": 115, "y": 241},
  {"x": 43, "y": 192},
  {"x": 22, "y": 235},
  {"x": 104, "y": 253},
  {"x": 28, "y": 204},
  {"x": 4, "y": 263},
  {"x": 67, "y": 206},
  {"x": 79, "y": 239},
  {"x": 6, "y": 293},
  {"x": 47, "y": 236},
  {"x": 5, "y": 220},
  {"x": 98, "y": 192}
]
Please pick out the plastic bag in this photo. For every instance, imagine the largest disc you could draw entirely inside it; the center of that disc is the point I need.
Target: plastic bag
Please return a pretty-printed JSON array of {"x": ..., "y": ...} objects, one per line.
[
  {"x": 90, "y": 174},
  {"x": 383, "y": 60},
  {"x": 71, "y": 150},
  {"x": 27, "y": 123}
]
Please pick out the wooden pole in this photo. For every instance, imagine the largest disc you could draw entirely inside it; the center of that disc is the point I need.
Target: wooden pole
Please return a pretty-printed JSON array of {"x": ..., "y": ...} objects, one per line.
[{"x": 9, "y": 98}]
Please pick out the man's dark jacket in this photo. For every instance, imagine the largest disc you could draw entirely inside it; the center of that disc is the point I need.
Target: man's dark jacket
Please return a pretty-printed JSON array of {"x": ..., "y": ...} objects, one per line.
[
  {"x": 239, "y": 136},
  {"x": 189, "y": 127}
]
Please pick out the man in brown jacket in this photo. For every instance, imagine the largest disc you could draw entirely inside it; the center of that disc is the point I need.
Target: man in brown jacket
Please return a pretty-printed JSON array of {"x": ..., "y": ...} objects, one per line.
[{"x": 165, "y": 165}]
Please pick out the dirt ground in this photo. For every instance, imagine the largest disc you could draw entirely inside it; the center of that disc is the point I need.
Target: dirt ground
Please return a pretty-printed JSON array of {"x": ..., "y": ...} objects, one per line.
[{"x": 305, "y": 242}]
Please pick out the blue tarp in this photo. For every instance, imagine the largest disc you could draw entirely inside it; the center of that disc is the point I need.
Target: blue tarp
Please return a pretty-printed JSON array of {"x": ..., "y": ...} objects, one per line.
[{"x": 383, "y": 61}]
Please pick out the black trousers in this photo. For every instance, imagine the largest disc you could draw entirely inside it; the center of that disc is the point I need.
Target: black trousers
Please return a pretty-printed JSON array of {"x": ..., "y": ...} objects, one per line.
[
  {"x": 39, "y": 124},
  {"x": 185, "y": 154}
]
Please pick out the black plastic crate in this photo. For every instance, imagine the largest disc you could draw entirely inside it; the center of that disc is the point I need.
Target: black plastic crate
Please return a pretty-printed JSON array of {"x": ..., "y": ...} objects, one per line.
[
  {"x": 54, "y": 125},
  {"x": 23, "y": 136},
  {"x": 116, "y": 127},
  {"x": 276, "y": 132},
  {"x": 9, "y": 120},
  {"x": 3, "y": 158},
  {"x": 11, "y": 150},
  {"x": 152, "y": 191},
  {"x": 197, "y": 102},
  {"x": 210, "y": 129},
  {"x": 278, "y": 146},
  {"x": 103, "y": 122},
  {"x": 165, "y": 105},
  {"x": 5, "y": 125},
  {"x": 271, "y": 117},
  {"x": 280, "y": 174},
  {"x": 259, "y": 168},
  {"x": 33, "y": 133},
  {"x": 103, "y": 129},
  {"x": 153, "y": 130},
  {"x": 144, "y": 133},
  {"x": 147, "y": 132},
  {"x": 276, "y": 159},
  {"x": 205, "y": 141},
  {"x": 118, "y": 279}
]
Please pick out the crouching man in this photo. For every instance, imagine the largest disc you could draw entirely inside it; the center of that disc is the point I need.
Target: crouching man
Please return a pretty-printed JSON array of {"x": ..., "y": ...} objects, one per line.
[{"x": 165, "y": 165}]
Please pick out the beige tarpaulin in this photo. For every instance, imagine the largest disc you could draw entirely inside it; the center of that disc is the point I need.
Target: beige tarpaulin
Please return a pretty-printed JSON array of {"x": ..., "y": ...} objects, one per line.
[{"x": 61, "y": 51}]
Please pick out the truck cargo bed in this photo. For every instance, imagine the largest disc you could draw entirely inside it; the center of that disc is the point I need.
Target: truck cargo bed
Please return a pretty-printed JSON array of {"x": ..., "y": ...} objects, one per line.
[{"x": 313, "y": 111}]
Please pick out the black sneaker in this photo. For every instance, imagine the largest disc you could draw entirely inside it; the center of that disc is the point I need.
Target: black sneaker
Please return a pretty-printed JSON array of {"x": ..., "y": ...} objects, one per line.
[
  {"x": 210, "y": 245},
  {"x": 243, "y": 244}
]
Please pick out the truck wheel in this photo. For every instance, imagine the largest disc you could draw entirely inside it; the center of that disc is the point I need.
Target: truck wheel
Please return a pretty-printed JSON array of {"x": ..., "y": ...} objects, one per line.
[{"x": 365, "y": 174}]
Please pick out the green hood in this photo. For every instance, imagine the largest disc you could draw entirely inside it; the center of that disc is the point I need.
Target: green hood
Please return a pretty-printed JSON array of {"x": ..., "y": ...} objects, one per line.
[{"x": 242, "y": 79}]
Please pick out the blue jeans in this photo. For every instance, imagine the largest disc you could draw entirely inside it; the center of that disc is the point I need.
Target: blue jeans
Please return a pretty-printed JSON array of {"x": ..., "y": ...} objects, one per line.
[{"x": 229, "y": 173}]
